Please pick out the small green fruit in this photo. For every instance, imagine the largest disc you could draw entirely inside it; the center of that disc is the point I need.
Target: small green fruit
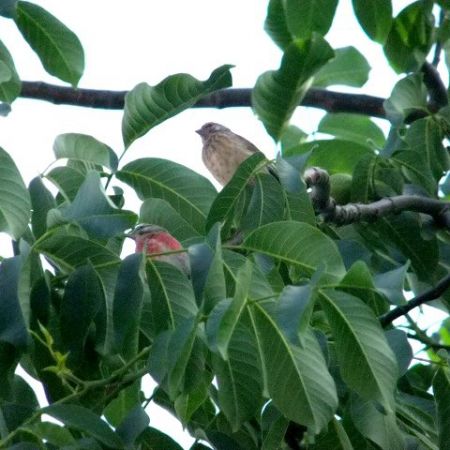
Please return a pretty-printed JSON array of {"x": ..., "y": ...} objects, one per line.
[{"x": 341, "y": 185}]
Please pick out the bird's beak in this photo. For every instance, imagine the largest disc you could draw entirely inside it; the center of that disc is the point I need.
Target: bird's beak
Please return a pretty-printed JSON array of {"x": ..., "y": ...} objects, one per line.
[
  {"x": 129, "y": 235},
  {"x": 199, "y": 131}
]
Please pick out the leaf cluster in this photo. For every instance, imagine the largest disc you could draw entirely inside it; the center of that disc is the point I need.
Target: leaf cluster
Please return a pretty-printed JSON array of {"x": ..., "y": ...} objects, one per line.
[{"x": 274, "y": 341}]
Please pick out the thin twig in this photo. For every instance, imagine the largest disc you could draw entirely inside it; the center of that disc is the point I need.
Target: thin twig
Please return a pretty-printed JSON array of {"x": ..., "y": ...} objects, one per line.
[
  {"x": 428, "y": 342},
  {"x": 427, "y": 296}
]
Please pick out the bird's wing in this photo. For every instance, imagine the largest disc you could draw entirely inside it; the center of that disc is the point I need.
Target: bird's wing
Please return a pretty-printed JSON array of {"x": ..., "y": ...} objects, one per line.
[
  {"x": 250, "y": 147},
  {"x": 253, "y": 149}
]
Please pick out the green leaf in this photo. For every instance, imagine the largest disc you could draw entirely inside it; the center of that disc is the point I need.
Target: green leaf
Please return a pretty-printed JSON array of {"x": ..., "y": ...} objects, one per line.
[
  {"x": 18, "y": 406},
  {"x": 276, "y": 431},
  {"x": 200, "y": 258},
  {"x": 239, "y": 378},
  {"x": 417, "y": 416},
  {"x": 225, "y": 202},
  {"x": 424, "y": 157},
  {"x": 348, "y": 67},
  {"x": 367, "y": 363},
  {"x": 158, "y": 364},
  {"x": 297, "y": 378},
  {"x": 291, "y": 137},
  {"x": 179, "y": 352},
  {"x": 53, "y": 434},
  {"x": 9, "y": 358},
  {"x": 409, "y": 94},
  {"x": 10, "y": 85},
  {"x": 187, "y": 403},
  {"x": 224, "y": 318},
  {"x": 375, "y": 177},
  {"x": 42, "y": 202},
  {"x": 8, "y": 8},
  {"x": 333, "y": 155},
  {"x": 118, "y": 409},
  {"x": 404, "y": 231},
  {"x": 160, "y": 212},
  {"x": 297, "y": 244},
  {"x": 83, "y": 297},
  {"x": 69, "y": 251},
  {"x": 127, "y": 305},
  {"x": 133, "y": 425},
  {"x": 398, "y": 341},
  {"x": 277, "y": 93},
  {"x": 84, "y": 420},
  {"x": 5, "y": 73},
  {"x": 85, "y": 148},
  {"x": 275, "y": 24},
  {"x": 95, "y": 213},
  {"x": 152, "y": 438},
  {"x": 335, "y": 437},
  {"x": 297, "y": 201},
  {"x": 441, "y": 387},
  {"x": 67, "y": 179},
  {"x": 259, "y": 286},
  {"x": 147, "y": 106},
  {"x": 266, "y": 203},
  {"x": 391, "y": 284},
  {"x": 172, "y": 297},
  {"x": 190, "y": 194},
  {"x": 293, "y": 312},
  {"x": 382, "y": 429},
  {"x": 215, "y": 288},
  {"x": 58, "y": 48},
  {"x": 352, "y": 127},
  {"x": 375, "y": 18},
  {"x": 15, "y": 204},
  {"x": 358, "y": 282},
  {"x": 308, "y": 16},
  {"x": 410, "y": 37}
]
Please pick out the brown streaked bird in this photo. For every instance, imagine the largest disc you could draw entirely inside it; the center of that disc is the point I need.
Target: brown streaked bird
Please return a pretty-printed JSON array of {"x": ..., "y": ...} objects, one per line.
[{"x": 223, "y": 150}]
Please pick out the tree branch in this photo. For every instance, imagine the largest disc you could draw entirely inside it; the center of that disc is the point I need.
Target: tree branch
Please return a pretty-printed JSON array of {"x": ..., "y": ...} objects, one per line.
[
  {"x": 330, "y": 101},
  {"x": 319, "y": 181},
  {"x": 427, "y": 296},
  {"x": 435, "y": 86}
]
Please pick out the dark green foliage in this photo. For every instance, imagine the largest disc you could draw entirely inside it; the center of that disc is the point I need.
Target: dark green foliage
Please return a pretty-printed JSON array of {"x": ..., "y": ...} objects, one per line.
[{"x": 275, "y": 340}]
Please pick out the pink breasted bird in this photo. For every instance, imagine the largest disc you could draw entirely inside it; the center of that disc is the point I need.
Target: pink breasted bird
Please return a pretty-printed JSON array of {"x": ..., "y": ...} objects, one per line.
[{"x": 153, "y": 239}]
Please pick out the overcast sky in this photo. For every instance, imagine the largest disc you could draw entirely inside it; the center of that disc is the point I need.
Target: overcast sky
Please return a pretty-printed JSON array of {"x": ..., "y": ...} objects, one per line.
[{"x": 129, "y": 42}]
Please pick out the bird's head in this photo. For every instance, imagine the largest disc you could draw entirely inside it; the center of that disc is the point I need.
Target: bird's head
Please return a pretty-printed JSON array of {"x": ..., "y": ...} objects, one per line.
[
  {"x": 152, "y": 239},
  {"x": 209, "y": 128},
  {"x": 145, "y": 230}
]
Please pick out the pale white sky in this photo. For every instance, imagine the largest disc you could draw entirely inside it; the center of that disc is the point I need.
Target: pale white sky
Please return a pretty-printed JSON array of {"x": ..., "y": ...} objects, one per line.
[{"x": 129, "y": 42}]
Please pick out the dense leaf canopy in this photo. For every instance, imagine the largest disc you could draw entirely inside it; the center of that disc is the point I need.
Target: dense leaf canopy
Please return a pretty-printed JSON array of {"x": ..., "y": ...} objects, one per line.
[{"x": 282, "y": 337}]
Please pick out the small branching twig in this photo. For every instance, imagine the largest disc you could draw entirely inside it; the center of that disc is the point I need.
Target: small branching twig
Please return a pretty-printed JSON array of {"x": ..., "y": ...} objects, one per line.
[
  {"x": 425, "y": 297},
  {"x": 428, "y": 342},
  {"x": 120, "y": 378},
  {"x": 318, "y": 181}
]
